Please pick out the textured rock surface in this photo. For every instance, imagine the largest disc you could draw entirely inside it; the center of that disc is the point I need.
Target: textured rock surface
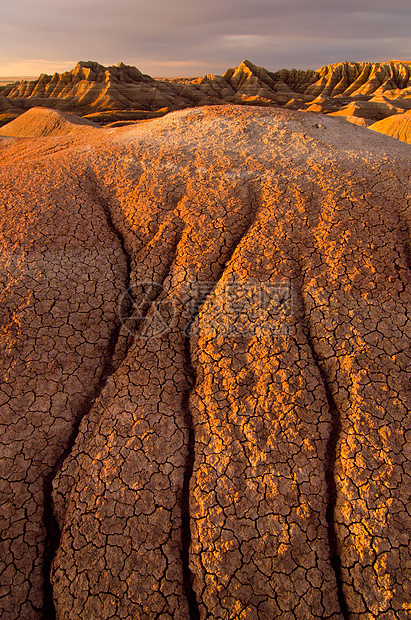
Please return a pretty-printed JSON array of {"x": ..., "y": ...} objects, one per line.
[
  {"x": 364, "y": 90},
  {"x": 62, "y": 272},
  {"x": 398, "y": 126},
  {"x": 243, "y": 446}
]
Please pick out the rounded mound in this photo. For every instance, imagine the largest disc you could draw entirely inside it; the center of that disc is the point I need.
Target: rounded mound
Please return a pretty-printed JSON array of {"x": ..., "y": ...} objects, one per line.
[
  {"x": 205, "y": 327},
  {"x": 397, "y": 126},
  {"x": 40, "y": 122}
]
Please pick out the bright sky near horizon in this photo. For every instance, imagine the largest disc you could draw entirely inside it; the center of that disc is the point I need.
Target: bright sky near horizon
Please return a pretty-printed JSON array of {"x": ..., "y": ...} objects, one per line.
[{"x": 193, "y": 37}]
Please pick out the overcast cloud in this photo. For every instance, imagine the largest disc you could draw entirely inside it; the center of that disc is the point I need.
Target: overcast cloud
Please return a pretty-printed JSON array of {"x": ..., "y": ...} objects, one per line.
[{"x": 188, "y": 37}]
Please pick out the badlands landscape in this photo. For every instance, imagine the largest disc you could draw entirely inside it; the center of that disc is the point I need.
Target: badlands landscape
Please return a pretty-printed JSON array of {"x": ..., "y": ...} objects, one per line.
[
  {"x": 362, "y": 93},
  {"x": 205, "y": 342}
]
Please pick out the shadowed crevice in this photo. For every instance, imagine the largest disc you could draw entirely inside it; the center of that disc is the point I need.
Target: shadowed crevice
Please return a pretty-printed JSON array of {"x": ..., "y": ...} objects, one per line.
[
  {"x": 185, "y": 495},
  {"x": 52, "y": 538},
  {"x": 329, "y": 472},
  {"x": 188, "y": 577}
]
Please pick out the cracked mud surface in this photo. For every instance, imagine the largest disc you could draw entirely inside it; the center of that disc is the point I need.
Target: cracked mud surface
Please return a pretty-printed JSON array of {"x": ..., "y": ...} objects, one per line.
[{"x": 238, "y": 445}]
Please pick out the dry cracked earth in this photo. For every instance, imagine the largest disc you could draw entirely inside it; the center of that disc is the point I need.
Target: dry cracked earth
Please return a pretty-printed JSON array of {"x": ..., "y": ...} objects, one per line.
[{"x": 205, "y": 384}]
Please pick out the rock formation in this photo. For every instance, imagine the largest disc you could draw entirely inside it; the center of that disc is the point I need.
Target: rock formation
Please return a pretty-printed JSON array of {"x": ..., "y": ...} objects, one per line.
[
  {"x": 205, "y": 389},
  {"x": 398, "y": 126},
  {"x": 91, "y": 87},
  {"x": 368, "y": 91},
  {"x": 38, "y": 122}
]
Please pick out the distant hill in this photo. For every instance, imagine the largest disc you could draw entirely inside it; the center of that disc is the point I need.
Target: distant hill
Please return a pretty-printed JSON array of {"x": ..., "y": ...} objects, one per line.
[
  {"x": 398, "y": 126},
  {"x": 41, "y": 122},
  {"x": 11, "y": 79},
  {"x": 362, "y": 92}
]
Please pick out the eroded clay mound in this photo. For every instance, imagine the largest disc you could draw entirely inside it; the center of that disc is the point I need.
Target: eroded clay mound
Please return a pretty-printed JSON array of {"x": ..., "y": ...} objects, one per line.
[
  {"x": 248, "y": 456},
  {"x": 398, "y": 126},
  {"x": 39, "y": 122}
]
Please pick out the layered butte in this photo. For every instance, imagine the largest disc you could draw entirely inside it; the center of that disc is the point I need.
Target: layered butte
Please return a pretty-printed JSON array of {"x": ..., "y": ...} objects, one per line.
[
  {"x": 205, "y": 388},
  {"x": 361, "y": 92}
]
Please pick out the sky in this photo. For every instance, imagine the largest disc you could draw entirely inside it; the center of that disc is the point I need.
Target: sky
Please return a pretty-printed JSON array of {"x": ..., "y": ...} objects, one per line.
[{"x": 194, "y": 37}]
